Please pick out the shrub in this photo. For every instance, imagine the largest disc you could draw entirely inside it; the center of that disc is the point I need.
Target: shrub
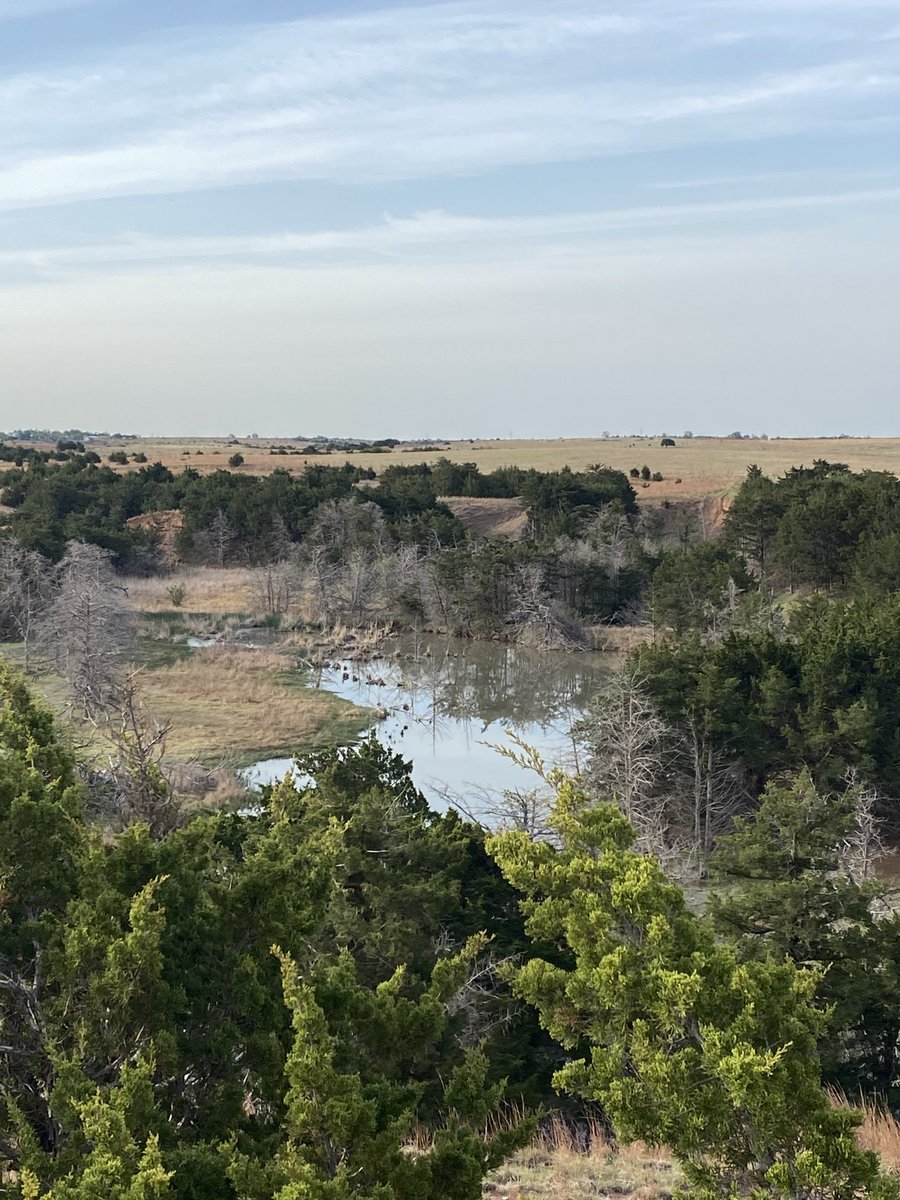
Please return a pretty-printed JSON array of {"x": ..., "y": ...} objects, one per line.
[{"x": 177, "y": 593}]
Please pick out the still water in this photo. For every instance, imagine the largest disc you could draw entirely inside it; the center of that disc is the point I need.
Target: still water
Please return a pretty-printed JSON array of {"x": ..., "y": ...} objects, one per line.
[{"x": 445, "y": 703}]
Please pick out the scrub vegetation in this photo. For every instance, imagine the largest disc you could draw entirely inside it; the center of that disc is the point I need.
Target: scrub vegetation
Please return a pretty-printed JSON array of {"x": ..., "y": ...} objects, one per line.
[{"x": 675, "y": 970}]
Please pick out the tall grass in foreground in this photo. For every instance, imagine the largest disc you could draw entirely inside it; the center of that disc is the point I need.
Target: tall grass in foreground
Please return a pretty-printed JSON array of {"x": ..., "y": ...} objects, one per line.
[
  {"x": 880, "y": 1128},
  {"x": 566, "y": 1162}
]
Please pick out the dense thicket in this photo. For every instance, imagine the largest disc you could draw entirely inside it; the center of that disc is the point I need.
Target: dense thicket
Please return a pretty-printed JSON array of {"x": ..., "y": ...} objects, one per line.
[
  {"x": 390, "y": 552},
  {"x": 822, "y": 691},
  {"x": 308, "y": 998},
  {"x": 822, "y": 526},
  {"x": 248, "y": 1003},
  {"x": 81, "y": 500},
  {"x": 682, "y": 1041}
]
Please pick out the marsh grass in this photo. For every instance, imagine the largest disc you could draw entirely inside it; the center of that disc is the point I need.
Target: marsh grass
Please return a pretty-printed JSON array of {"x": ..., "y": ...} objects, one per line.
[{"x": 235, "y": 704}]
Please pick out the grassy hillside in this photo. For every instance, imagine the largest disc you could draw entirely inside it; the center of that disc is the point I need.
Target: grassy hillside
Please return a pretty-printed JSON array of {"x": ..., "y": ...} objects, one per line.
[{"x": 704, "y": 466}]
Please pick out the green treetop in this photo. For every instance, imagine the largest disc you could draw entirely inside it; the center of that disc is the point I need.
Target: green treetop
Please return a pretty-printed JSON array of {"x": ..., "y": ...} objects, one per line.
[{"x": 683, "y": 1044}]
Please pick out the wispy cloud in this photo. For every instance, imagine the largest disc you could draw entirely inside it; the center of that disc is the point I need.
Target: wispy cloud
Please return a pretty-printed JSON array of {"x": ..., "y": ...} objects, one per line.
[
  {"x": 456, "y": 88},
  {"x": 434, "y": 236},
  {"x": 18, "y": 10}
]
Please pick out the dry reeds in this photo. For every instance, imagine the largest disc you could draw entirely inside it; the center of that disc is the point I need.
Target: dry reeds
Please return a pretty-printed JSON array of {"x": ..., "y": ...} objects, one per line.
[{"x": 577, "y": 1161}]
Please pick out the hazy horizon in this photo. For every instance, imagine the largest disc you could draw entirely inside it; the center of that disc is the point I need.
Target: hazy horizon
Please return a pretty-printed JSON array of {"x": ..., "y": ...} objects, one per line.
[{"x": 545, "y": 219}]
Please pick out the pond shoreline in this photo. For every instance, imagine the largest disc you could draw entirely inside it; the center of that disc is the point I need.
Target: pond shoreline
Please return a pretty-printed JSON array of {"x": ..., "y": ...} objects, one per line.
[{"x": 446, "y": 704}]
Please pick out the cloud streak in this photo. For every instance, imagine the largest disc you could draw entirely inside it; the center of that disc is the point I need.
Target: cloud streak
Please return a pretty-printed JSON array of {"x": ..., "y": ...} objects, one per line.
[
  {"x": 458, "y": 88},
  {"x": 438, "y": 234}
]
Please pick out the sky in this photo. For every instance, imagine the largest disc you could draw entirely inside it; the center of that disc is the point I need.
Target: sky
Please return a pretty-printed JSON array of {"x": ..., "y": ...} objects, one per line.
[{"x": 480, "y": 218}]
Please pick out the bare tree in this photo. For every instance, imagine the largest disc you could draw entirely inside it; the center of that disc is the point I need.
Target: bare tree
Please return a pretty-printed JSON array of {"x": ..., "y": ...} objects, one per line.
[
  {"x": 274, "y": 586},
  {"x": 340, "y": 525},
  {"x": 281, "y": 544},
  {"x": 346, "y": 564},
  {"x": 630, "y": 753},
  {"x": 405, "y": 581},
  {"x": 27, "y": 586},
  {"x": 612, "y": 535},
  {"x": 715, "y": 791},
  {"x": 215, "y": 541},
  {"x": 84, "y": 631},
  {"x": 537, "y": 617},
  {"x": 526, "y": 810},
  {"x": 360, "y": 593},
  {"x": 865, "y": 844},
  {"x": 316, "y": 577}
]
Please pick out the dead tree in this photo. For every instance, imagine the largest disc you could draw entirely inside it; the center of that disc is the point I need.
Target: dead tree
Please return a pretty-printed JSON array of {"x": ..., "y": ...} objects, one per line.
[
  {"x": 27, "y": 586},
  {"x": 630, "y": 750},
  {"x": 525, "y": 810},
  {"x": 214, "y": 542},
  {"x": 864, "y": 846},
  {"x": 715, "y": 792},
  {"x": 538, "y": 619},
  {"x": 341, "y": 525},
  {"x": 84, "y": 631},
  {"x": 274, "y": 587}
]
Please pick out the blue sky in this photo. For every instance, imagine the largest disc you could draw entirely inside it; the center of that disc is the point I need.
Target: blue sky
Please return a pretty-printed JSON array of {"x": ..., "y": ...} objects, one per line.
[{"x": 471, "y": 218}]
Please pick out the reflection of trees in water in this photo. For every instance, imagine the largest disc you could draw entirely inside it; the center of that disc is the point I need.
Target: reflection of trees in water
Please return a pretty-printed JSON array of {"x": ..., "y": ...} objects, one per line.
[{"x": 489, "y": 682}]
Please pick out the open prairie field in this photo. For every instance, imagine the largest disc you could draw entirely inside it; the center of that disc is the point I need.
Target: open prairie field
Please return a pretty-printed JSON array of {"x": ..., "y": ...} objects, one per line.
[{"x": 693, "y": 468}]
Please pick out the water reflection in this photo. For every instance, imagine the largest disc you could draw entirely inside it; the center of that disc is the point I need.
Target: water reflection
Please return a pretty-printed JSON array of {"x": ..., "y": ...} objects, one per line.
[{"x": 438, "y": 701}]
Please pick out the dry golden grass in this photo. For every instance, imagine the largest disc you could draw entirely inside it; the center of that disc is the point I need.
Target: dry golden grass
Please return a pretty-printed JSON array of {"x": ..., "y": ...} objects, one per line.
[
  {"x": 705, "y": 466},
  {"x": 621, "y": 639},
  {"x": 879, "y": 1131},
  {"x": 207, "y": 590},
  {"x": 558, "y": 1165},
  {"x": 232, "y": 703}
]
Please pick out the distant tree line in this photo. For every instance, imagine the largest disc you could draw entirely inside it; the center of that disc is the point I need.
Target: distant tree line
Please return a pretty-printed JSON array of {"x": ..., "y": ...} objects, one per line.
[{"x": 585, "y": 552}]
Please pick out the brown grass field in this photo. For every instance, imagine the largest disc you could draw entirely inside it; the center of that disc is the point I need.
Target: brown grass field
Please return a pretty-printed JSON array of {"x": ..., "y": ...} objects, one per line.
[
  {"x": 207, "y": 590},
  {"x": 233, "y": 704},
  {"x": 705, "y": 466}
]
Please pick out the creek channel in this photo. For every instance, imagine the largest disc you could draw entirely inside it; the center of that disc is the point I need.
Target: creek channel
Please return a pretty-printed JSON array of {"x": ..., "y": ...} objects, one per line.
[{"x": 446, "y": 703}]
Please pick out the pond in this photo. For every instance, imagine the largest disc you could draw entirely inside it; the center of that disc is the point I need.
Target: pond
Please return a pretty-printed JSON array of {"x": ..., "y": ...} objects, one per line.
[{"x": 445, "y": 703}]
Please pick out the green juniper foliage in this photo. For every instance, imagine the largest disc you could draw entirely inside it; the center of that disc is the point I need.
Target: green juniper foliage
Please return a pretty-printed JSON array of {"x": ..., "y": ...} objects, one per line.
[
  {"x": 785, "y": 887},
  {"x": 681, "y": 1042},
  {"x": 335, "y": 995},
  {"x": 152, "y": 1043}
]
